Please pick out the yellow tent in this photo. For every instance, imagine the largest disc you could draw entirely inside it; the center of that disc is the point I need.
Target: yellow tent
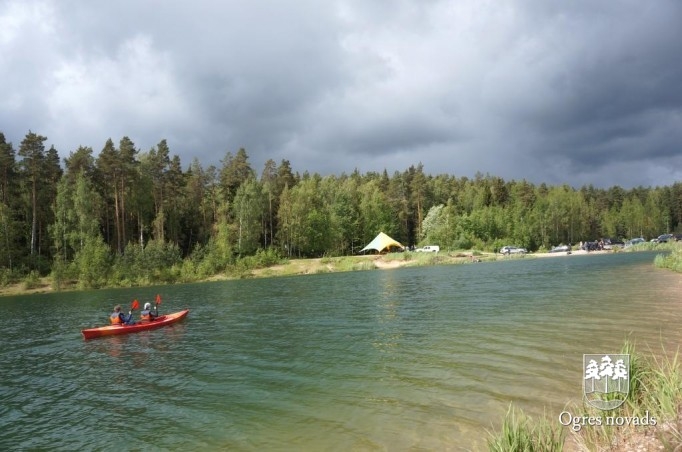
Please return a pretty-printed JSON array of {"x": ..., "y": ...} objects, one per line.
[{"x": 381, "y": 242}]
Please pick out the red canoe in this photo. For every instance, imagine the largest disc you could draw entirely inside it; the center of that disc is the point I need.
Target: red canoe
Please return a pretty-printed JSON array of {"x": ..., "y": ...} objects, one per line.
[{"x": 110, "y": 330}]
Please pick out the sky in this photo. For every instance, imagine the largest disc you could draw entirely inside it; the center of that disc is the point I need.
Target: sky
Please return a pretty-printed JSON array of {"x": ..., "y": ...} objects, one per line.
[{"x": 562, "y": 92}]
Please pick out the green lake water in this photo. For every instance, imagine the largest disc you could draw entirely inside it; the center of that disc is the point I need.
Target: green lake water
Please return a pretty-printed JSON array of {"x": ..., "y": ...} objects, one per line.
[{"x": 424, "y": 358}]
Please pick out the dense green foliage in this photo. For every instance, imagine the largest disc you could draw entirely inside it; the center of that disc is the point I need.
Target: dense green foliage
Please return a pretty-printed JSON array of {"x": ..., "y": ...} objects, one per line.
[{"x": 128, "y": 217}]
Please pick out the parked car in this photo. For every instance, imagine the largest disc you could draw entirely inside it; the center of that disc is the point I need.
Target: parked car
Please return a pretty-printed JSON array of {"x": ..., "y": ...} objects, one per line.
[
  {"x": 428, "y": 249},
  {"x": 560, "y": 249},
  {"x": 664, "y": 238},
  {"x": 610, "y": 244},
  {"x": 634, "y": 241},
  {"x": 512, "y": 250},
  {"x": 591, "y": 246}
]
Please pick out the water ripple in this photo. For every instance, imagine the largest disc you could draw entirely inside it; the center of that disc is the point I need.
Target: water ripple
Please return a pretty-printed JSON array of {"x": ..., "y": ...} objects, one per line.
[{"x": 411, "y": 359}]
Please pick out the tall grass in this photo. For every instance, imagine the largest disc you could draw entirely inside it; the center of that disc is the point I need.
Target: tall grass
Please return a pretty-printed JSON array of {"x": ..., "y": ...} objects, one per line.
[
  {"x": 522, "y": 433},
  {"x": 667, "y": 384},
  {"x": 346, "y": 264},
  {"x": 427, "y": 259},
  {"x": 655, "y": 391},
  {"x": 672, "y": 260},
  {"x": 650, "y": 246}
]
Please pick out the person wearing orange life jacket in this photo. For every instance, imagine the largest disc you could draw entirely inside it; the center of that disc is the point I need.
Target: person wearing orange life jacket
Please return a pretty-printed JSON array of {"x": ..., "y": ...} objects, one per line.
[
  {"x": 119, "y": 318},
  {"x": 147, "y": 315}
]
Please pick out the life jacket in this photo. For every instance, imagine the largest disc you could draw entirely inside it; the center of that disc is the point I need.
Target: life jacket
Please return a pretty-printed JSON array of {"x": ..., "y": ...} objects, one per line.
[
  {"x": 146, "y": 316},
  {"x": 115, "y": 318}
]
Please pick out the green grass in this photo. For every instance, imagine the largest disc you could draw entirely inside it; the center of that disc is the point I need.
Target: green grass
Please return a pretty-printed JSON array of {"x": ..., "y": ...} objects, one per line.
[
  {"x": 666, "y": 385},
  {"x": 346, "y": 264},
  {"x": 671, "y": 260},
  {"x": 364, "y": 265},
  {"x": 426, "y": 259},
  {"x": 651, "y": 246},
  {"x": 520, "y": 432}
]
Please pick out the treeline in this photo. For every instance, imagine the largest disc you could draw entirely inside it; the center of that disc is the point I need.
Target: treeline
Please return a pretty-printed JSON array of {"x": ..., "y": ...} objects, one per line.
[{"x": 129, "y": 216}]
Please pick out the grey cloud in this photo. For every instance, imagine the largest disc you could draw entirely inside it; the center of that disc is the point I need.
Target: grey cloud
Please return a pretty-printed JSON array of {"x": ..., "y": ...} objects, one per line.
[{"x": 546, "y": 91}]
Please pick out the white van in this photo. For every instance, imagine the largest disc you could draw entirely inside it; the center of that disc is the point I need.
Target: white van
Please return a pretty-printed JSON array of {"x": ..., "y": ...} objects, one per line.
[{"x": 428, "y": 249}]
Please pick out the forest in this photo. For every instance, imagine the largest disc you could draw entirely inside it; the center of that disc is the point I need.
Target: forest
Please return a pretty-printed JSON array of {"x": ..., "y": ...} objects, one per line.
[{"x": 130, "y": 217}]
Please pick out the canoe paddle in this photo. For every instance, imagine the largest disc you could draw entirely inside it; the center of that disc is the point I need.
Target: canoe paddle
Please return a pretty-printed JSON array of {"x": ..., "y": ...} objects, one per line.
[
  {"x": 157, "y": 303},
  {"x": 135, "y": 305}
]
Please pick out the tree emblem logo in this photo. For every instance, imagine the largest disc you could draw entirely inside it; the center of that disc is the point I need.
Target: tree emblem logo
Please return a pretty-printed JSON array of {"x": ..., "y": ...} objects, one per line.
[{"x": 606, "y": 381}]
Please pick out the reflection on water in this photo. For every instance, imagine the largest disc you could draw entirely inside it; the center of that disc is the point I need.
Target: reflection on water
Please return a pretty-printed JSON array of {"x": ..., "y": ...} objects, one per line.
[
  {"x": 388, "y": 318},
  {"x": 417, "y": 358}
]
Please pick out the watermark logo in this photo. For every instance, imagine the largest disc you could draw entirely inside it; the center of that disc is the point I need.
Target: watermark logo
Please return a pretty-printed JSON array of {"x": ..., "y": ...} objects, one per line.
[
  {"x": 606, "y": 383},
  {"x": 606, "y": 380}
]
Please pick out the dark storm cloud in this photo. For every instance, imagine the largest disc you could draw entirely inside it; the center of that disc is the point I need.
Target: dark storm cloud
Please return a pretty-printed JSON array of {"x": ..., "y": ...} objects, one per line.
[
  {"x": 561, "y": 92},
  {"x": 609, "y": 94}
]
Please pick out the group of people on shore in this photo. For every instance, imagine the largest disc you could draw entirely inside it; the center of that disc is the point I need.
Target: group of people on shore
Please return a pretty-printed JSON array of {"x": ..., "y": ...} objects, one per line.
[
  {"x": 146, "y": 315},
  {"x": 600, "y": 245}
]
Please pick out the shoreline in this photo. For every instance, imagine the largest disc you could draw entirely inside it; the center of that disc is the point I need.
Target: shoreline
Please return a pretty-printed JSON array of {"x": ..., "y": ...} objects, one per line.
[{"x": 307, "y": 266}]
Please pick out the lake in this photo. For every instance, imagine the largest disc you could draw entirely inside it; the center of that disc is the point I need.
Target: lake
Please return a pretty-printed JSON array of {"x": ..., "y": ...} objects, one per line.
[{"x": 425, "y": 358}]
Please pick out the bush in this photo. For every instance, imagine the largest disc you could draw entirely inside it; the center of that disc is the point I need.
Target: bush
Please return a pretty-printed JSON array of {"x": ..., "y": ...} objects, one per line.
[
  {"x": 672, "y": 260},
  {"x": 209, "y": 266},
  {"x": 156, "y": 262},
  {"x": 462, "y": 243},
  {"x": 262, "y": 259},
  {"x": 63, "y": 273},
  {"x": 93, "y": 263},
  {"x": 32, "y": 280},
  {"x": 269, "y": 257},
  {"x": 5, "y": 277},
  {"x": 188, "y": 271}
]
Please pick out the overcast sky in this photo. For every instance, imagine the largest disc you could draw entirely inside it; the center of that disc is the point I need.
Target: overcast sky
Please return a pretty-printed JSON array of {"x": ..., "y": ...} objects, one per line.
[{"x": 578, "y": 92}]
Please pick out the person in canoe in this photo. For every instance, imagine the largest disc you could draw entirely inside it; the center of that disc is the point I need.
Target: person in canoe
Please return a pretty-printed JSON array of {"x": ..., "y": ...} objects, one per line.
[
  {"x": 119, "y": 318},
  {"x": 147, "y": 315}
]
